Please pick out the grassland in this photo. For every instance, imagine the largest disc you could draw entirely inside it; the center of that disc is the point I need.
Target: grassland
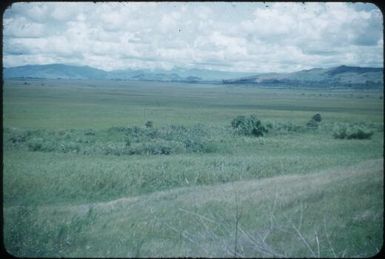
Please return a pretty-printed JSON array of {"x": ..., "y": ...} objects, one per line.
[{"x": 83, "y": 176}]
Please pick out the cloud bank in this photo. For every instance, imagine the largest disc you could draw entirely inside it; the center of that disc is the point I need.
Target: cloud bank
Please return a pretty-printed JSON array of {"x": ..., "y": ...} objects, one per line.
[{"x": 244, "y": 37}]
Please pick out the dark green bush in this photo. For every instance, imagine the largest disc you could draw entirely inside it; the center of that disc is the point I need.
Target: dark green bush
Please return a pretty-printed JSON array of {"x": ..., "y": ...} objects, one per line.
[
  {"x": 360, "y": 134},
  {"x": 17, "y": 138},
  {"x": 314, "y": 121},
  {"x": 38, "y": 144},
  {"x": 248, "y": 125},
  {"x": 317, "y": 117},
  {"x": 192, "y": 145},
  {"x": 352, "y": 132},
  {"x": 149, "y": 124}
]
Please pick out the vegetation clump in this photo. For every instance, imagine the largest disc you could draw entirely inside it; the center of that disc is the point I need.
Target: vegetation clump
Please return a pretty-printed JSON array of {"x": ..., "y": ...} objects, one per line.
[
  {"x": 317, "y": 117},
  {"x": 249, "y": 126},
  {"x": 89, "y": 132},
  {"x": 149, "y": 124},
  {"x": 173, "y": 139},
  {"x": 352, "y": 132},
  {"x": 314, "y": 122}
]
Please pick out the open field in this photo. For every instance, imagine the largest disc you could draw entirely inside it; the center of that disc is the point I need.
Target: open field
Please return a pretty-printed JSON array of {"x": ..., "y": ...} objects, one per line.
[{"x": 83, "y": 176}]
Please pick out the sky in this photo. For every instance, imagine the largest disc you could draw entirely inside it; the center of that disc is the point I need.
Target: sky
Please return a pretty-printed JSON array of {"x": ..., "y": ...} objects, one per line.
[{"x": 227, "y": 36}]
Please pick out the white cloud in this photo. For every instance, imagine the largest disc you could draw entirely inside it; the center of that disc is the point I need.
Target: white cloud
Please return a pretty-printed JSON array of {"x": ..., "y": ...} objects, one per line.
[
  {"x": 23, "y": 28},
  {"x": 230, "y": 36}
]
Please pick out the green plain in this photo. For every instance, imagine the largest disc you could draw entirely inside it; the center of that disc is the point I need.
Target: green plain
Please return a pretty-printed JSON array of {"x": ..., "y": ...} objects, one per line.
[{"x": 69, "y": 190}]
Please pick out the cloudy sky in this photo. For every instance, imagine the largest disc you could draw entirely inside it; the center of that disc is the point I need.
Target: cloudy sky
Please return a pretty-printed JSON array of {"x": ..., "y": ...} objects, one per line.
[{"x": 250, "y": 37}]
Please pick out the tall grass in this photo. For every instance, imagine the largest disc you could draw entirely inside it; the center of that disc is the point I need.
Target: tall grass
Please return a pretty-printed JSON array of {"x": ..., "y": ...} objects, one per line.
[{"x": 287, "y": 216}]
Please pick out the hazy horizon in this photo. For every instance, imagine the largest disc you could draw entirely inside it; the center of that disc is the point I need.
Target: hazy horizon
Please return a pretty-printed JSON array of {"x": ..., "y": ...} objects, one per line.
[{"x": 181, "y": 68}]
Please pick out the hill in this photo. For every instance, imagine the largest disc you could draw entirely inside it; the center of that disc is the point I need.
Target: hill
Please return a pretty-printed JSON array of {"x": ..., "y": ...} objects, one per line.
[
  {"x": 54, "y": 71},
  {"x": 62, "y": 71},
  {"x": 341, "y": 76}
]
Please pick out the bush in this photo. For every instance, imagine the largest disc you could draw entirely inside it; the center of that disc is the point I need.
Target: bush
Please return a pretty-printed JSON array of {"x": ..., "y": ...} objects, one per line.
[
  {"x": 149, "y": 124},
  {"x": 249, "y": 126},
  {"x": 17, "y": 139},
  {"x": 352, "y": 132},
  {"x": 314, "y": 122},
  {"x": 39, "y": 144},
  {"x": 317, "y": 117}
]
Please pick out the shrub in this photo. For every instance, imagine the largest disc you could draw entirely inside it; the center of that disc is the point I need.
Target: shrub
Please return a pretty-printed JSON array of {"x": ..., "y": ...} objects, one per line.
[
  {"x": 248, "y": 125},
  {"x": 149, "y": 124},
  {"x": 360, "y": 134},
  {"x": 35, "y": 144},
  {"x": 17, "y": 138},
  {"x": 317, "y": 117},
  {"x": 352, "y": 132},
  {"x": 192, "y": 145},
  {"x": 314, "y": 121}
]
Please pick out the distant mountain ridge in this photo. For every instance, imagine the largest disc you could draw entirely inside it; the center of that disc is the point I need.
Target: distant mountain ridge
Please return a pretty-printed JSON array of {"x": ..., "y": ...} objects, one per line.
[
  {"x": 341, "y": 76},
  {"x": 54, "y": 71},
  {"x": 62, "y": 71}
]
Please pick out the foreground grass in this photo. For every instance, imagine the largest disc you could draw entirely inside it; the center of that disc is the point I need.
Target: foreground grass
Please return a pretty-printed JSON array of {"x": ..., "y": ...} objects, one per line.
[
  {"x": 331, "y": 213},
  {"x": 52, "y": 177}
]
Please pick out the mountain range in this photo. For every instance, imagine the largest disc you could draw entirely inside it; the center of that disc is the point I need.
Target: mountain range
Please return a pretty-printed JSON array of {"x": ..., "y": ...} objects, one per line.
[
  {"x": 62, "y": 71},
  {"x": 347, "y": 76},
  {"x": 341, "y": 76}
]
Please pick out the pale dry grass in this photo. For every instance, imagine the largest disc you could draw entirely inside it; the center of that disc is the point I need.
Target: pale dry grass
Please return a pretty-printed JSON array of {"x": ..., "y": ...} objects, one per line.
[
  {"x": 283, "y": 187},
  {"x": 184, "y": 221}
]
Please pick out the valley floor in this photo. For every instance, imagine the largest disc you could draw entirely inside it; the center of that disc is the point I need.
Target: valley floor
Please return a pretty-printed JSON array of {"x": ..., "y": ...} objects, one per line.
[{"x": 85, "y": 174}]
